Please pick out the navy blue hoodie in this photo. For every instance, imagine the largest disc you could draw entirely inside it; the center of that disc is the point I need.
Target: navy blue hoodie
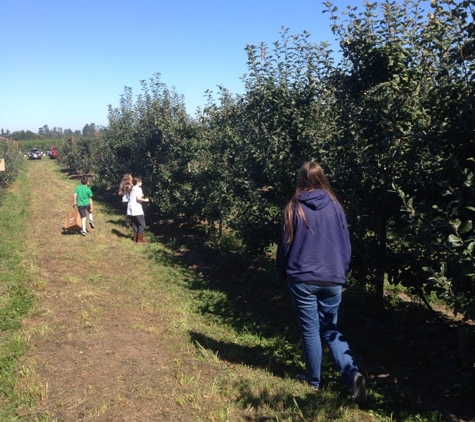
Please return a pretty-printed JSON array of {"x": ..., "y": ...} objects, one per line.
[{"x": 321, "y": 252}]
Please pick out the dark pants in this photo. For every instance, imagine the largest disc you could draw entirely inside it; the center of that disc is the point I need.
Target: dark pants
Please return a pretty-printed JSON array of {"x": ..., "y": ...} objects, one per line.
[
  {"x": 138, "y": 223},
  {"x": 84, "y": 210}
]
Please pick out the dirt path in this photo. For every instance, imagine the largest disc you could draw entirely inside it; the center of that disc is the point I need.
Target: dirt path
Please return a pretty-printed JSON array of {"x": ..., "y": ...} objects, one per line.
[{"x": 105, "y": 336}]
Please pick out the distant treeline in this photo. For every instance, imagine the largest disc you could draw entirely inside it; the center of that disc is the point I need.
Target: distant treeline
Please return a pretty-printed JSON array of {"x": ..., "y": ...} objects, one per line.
[{"x": 46, "y": 133}]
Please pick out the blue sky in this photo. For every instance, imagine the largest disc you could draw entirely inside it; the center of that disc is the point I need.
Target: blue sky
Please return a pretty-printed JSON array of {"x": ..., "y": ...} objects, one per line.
[{"x": 63, "y": 62}]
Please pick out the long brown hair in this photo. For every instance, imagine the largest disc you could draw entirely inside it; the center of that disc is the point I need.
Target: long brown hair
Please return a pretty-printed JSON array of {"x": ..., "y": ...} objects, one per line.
[
  {"x": 126, "y": 184},
  {"x": 311, "y": 176}
]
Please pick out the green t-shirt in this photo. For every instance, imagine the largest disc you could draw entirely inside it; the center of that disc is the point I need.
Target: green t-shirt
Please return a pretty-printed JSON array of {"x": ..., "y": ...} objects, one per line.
[{"x": 83, "y": 193}]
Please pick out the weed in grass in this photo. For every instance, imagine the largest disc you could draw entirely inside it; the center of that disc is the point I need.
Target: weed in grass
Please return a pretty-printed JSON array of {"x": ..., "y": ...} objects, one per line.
[
  {"x": 42, "y": 330},
  {"x": 207, "y": 354},
  {"x": 146, "y": 328},
  {"x": 181, "y": 400},
  {"x": 93, "y": 278},
  {"x": 70, "y": 279},
  {"x": 147, "y": 304},
  {"x": 86, "y": 294},
  {"x": 186, "y": 379},
  {"x": 29, "y": 386},
  {"x": 84, "y": 318},
  {"x": 39, "y": 285}
]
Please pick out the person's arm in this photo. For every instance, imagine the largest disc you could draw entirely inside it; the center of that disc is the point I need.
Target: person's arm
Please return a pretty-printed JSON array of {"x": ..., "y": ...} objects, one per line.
[
  {"x": 75, "y": 199},
  {"x": 91, "y": 204},
  {"x": 142, "y": 198}
]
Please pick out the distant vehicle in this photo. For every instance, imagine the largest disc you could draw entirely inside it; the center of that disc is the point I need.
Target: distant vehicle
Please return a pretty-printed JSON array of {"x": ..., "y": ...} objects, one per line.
[
  {"x": 34, "y": 154},
  {"x": 53, "y": 152}
]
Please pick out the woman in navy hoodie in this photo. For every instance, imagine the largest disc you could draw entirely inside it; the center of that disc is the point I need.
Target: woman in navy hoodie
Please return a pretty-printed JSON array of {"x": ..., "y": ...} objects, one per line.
[{"x": 313, "y": 257}]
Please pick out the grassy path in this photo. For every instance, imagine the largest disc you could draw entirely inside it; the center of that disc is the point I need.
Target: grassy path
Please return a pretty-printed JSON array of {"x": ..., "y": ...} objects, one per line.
[
  {"x": 125, "y": 332},
  {"x": 106, "y": 337}
]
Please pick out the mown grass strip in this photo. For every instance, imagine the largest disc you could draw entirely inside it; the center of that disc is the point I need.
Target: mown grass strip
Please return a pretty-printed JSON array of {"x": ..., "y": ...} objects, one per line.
[{"x": 16, "y": 298}]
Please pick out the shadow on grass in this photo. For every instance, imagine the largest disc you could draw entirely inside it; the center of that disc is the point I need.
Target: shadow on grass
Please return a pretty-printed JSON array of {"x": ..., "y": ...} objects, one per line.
[
  {"x": 309, "y": 406},
  {"x": 408, "y": 353},
  {"x": 70, "y": 232},
  {"x": 258, "y": 356},
  {"x": 120, "y": 234}
]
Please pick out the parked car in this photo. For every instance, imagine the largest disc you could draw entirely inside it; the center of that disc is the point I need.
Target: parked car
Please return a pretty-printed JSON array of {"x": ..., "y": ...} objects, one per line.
[{"x": 34, "y": 154}]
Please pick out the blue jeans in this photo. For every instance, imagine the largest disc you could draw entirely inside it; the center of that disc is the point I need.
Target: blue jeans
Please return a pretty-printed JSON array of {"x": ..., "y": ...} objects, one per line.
[{"x": 317, "y": 312}]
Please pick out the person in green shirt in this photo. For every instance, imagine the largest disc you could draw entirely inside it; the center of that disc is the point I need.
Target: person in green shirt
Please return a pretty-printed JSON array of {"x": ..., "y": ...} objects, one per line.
[{"x": 83, "y": 200}]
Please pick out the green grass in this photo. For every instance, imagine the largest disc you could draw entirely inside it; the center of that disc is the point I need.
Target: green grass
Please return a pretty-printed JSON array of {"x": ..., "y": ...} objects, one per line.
[{"x": 16, "y": 298}]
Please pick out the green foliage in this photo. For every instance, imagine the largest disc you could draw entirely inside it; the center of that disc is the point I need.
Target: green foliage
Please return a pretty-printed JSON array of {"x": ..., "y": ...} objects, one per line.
[
  {"x": 13, "y": 160},
  {"x": 392, "y": 124},
  {"x": 152, "y": 136},
  {"x": 396, "y": 82},
  {"x": 80, "y": 153},
  {"x": 383, "y": 86},
  {"x": 446, "y": 240},
  {"x": 260, "y": 139},
  {"x": 21, "y": 135}
]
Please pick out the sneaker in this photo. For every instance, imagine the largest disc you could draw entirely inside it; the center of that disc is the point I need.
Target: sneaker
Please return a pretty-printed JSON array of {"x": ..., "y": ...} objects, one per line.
[
  {"x": 91, "y": 223},
  {"x": 83, "y": 232},
  {"x": 303, "y": 378},
  {"x": 359, "y": 389}
]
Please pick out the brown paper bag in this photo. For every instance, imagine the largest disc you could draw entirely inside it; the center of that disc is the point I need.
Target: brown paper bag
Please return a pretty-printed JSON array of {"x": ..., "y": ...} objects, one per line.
[{"x": 73, "y": 220}]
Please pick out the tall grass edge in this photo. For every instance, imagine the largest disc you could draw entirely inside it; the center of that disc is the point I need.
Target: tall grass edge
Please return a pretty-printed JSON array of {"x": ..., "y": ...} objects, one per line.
[{"x": 16, "y": 298}]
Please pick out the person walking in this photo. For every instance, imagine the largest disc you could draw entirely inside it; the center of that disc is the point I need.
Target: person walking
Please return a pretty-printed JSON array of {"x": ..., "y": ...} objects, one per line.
[
  {"x": 313, "y": 258},
  {"x": 82, "y": 198},
  {"x": 135, "y": 210},
  {"x": 125, "y": 187}
]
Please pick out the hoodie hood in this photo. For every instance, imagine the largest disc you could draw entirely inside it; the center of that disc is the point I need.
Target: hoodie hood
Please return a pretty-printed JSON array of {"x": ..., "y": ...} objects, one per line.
[{"x": 315, "y": 199}]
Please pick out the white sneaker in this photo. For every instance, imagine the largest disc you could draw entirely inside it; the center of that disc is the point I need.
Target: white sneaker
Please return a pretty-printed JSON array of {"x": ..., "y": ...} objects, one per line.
[
  {"x": 91, "y": 223},
  {"x": 83, "y": 232}
]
